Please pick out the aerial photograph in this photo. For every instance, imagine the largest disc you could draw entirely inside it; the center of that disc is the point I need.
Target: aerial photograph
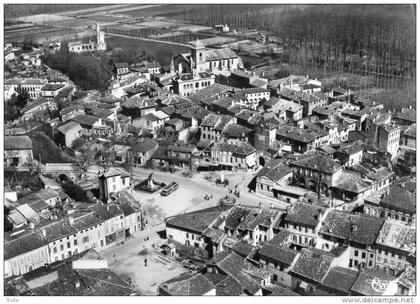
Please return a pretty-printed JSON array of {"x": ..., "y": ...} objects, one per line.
[{"x": 242, "y": 149}]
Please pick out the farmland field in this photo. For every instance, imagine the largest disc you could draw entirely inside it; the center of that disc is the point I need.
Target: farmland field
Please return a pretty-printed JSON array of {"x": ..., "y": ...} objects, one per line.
[
  {"x": 168, "y": 11},
  {"x": 161, "y": 51}
]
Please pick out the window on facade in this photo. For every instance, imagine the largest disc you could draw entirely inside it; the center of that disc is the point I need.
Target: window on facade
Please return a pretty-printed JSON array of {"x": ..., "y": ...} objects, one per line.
[
  {"x": 356, "y": 253},
  {"x": 61, "y": 247},
  {"x": 188, "y": 235},
  {"x": 363, "y": 255},
  {"x": 55, "y": 249},
  {"x": 75, "y": 242}
]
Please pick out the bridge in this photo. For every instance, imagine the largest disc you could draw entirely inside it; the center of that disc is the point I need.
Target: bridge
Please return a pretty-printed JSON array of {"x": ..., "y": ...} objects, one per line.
[{"x": 63, "y": 171}]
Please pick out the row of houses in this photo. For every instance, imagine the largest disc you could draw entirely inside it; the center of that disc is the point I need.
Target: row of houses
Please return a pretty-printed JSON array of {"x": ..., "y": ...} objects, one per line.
[
  {"x": 51, "y": 228},
  {"x": 302, "y": 249}
]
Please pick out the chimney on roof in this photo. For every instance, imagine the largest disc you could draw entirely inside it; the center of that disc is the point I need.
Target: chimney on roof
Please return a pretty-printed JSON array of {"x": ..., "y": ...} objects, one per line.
[
  {"x": 44, "y": 232},
  {"x": 31, "y": 225},
  {"x": 71, "y": 220},
  {"x": 403, "y": 185},
  {"x": 77, "y": 284}
]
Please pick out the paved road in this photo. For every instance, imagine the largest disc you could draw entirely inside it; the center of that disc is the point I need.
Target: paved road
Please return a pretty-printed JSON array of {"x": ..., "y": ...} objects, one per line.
[{"x": 146, "y": 39}]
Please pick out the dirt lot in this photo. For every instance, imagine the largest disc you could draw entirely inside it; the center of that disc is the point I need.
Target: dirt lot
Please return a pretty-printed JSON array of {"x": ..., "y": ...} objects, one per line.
[{"x": 128, "y": 259}]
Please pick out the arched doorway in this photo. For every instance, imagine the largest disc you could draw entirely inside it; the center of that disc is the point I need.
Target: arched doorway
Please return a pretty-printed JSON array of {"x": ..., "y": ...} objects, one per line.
[
  {"x": 262, "y": 161},
  {"x": 63, "y": 178}
]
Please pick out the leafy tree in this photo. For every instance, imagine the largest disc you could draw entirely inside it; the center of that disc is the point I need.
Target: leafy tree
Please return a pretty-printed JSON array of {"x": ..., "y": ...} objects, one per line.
[{"x": 21, "y": 97}]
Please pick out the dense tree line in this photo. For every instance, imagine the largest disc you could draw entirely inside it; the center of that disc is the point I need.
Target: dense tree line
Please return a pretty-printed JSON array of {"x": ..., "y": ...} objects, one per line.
[
  {"x": 19, "y": 10},
  {"x": 371, "y": 38},
  {"x": 85, "y": 70}
]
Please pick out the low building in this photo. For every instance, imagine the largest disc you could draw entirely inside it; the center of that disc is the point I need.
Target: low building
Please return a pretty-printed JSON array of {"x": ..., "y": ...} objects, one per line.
[
  {"x": 188, "y": 284},
  {"x": 251, "y": 278},
  {"x": 17, "y": 152},
  {"x": 38, "y": 107},
  {"x": 234, "y": 156},
  {"x": 68, "y": 133},
  {"x": 141, "y": 152},
  {"x": 349, "y": 155},
  {"x": 111, "y": 181},
  {"x": 151, "y": 121}
]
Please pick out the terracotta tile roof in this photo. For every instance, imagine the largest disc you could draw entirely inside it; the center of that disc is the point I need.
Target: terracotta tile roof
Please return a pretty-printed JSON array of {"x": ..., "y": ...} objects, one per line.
[
  {"x": 85, "y": 120},
  {"x": 56, "y": 230},
  {"x": 367, "y": 275},
  {"x": 22, "y": 142},
  {"x": 188, "y": 284},
  {"x": 236, "y": 131},
  {"x": 197, "y": 221},
  {"x": 318, "y": 162},
  {"x": 352, "y": 182},
  {"x": 313, "y": 264},
  {"x": 236, "y": 216},
  {"x": 24, "y": 243},
  {"x": 400, "y": 198},
  {"x": 340, "y": 278},
  {"x": 362, "y": 229},
  {"x": 242, "y": 148},
  {"x": 144, "y": 146},
  {"x": 305, "y": 214},
  {"x": 397, "y": 235}
]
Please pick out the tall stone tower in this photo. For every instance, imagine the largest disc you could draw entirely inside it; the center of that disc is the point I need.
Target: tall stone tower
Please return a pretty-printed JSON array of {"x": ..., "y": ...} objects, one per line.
[
  {"x": 100, "y": 39},
  {"x": 198, "y": 57}
]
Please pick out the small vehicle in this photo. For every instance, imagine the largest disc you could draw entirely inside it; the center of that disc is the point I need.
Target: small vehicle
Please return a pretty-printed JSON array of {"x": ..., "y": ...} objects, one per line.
[{"x": 168, "y": 189}]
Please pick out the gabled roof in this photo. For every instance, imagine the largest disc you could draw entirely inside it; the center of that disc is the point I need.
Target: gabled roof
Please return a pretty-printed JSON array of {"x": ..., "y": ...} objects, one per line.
[
  {"x": 23, "y": 244},
  {"x": 305, "y": 214},
  {"x": 367, "y": 275},
  {"x": 236, "y": 131},
  {"x": 236, "y": 216},
  {"x": 22, "y": 142},
  {"x": 352, "y": 182},
  {"x": 362, "y": 229},
  {"x": 35, "y": 104},
  {"x": 318, "y": 162},
  {"x": 86, "y": 120},
  {"x": 56, "y": 230},
  {"x": 276, "y": 172},
  {"x": 188, "y": 284},
  {"x": 197, "y": 221},
  {"x": 241, "y": 148},
  {"x": 69, "y": 126},
  {"x": 395, "y": 234},
  {"x": 276, "y": 249},
  {"x": 144, "y": 146},
  {"x": 313, "y": 264},
  {"x": 400, "y": 198},
  {"x": 340, "y": 278}
]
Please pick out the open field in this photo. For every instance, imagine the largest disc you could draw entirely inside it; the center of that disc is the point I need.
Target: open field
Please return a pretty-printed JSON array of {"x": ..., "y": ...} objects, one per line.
[
  {"x": 150, "y": 47},
  {"x": 163, "y": 10}
]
